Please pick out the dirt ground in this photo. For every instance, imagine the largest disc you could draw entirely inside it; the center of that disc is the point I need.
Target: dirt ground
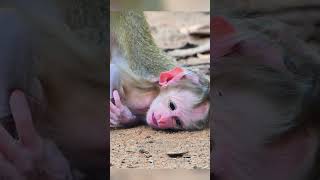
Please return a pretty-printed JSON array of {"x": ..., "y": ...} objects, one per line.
[{"x": 143, "y": 147}]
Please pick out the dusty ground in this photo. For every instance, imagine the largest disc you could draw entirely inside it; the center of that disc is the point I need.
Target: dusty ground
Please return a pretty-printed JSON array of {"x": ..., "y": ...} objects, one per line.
[{"x": 143, "y": 147}]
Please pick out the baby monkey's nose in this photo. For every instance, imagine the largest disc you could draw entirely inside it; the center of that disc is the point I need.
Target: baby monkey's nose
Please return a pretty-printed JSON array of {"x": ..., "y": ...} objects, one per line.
[
  {"x": 165, "y": 122},
  {"x": 157, "y": 116}
]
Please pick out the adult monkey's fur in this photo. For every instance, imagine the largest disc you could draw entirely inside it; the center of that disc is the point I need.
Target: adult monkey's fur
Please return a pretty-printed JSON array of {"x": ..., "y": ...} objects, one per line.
[{"x": 144, "y": 58}]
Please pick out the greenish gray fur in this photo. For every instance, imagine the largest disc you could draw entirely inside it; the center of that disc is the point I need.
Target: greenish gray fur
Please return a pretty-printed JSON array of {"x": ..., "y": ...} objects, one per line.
[{"x": 133, "y": 35}]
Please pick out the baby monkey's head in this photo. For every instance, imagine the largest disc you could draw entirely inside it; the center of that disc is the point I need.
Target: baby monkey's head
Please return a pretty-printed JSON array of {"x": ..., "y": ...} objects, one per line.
[{"x": 183, "y": 101}]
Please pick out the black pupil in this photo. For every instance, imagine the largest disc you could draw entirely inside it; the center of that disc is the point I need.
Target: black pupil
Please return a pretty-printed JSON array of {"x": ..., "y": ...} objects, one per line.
[{"x": 172, "y": 106}]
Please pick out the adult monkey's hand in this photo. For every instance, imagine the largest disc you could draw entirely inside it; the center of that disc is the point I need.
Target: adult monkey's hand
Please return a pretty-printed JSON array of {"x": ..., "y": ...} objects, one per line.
[{"x": 29, "y": 157}]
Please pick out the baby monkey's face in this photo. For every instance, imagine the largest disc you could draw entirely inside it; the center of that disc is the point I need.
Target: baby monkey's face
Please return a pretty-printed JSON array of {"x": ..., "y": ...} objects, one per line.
[{"x": 174, "y": 109}]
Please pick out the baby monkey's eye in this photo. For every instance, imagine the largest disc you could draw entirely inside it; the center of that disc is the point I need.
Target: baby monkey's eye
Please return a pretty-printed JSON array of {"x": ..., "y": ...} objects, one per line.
[
  {"x": 172, "y": 106},
  {"x": 178, "y": 122}
]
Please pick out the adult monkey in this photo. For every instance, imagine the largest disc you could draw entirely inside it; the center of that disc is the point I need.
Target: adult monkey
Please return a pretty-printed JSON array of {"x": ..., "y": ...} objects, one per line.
[
  {"x": 275, "y": 135},
  {"x": 150, "y": 83},
  {"x": 73, "y": 80}
]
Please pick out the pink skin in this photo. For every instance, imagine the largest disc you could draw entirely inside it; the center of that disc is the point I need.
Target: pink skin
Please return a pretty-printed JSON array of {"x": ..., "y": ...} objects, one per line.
[
  {"x": 161, "y": 116},
  {"x": 173, "y": 109},
  {"x": 119, "y": 113},
  {"x": 25, "y": 158},
  {"x": 228, "y": 43}
]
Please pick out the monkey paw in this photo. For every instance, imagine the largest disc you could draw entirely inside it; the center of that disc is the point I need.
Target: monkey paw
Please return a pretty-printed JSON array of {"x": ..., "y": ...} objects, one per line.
[
  {"x": 120, "y": 115},
  {"x": 31, "y": 156}
]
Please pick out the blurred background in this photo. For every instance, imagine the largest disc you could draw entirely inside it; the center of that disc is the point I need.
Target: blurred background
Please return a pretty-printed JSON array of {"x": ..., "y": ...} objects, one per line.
[
  {"x": 300, "y": 17},
  {"x": 164, "y": 5}
]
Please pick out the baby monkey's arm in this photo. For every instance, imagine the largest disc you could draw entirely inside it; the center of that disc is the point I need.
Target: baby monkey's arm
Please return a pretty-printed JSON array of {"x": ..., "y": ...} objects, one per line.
[{"x": 120, "y": 115}]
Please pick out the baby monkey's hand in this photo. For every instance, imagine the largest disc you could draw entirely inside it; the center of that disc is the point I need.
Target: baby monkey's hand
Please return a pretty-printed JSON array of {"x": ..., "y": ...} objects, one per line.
[
  {"x": 120, "y": 114},
  {"x": 30, "y": 156}
]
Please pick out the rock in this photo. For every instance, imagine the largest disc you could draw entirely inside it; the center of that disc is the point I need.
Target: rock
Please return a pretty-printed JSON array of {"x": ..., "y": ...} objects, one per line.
[
  {"x": 174, "y": 154},
  {"x": 148, "y": 155},
  {"x": 142, "y": 151}
]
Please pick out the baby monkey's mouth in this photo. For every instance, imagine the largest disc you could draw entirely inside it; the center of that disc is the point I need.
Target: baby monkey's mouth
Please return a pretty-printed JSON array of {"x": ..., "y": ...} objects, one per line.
[{"x": 155, "y": 122}]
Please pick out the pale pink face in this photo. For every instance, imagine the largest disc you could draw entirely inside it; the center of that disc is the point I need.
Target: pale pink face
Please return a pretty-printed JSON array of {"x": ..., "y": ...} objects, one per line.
[{"x": 174, "y": 109}]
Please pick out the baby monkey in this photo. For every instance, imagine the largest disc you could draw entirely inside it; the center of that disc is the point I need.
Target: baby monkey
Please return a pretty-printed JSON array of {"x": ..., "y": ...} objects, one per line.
[{"x": 146, "y": 85}]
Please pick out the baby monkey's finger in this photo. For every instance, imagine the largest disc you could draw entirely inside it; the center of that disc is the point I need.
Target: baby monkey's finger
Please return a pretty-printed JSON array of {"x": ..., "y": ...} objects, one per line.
[
  {"x": 117, "y": 100},
  {"x": 114, "y": 109},
  {"x": 113, "y": 117},
  {"x": 22, "y": 116}
]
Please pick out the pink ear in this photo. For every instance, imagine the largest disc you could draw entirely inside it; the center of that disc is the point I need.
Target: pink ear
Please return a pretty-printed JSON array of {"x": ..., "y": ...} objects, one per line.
[
  {"x": 171, "y": 76},
  {"x": 222, "y": 36},
  {"x": 224, "y": 42},
  {"x": 176, "y": 74},
  {"x": 221, "y": 27},
  {"x": 201, "y": 111}
]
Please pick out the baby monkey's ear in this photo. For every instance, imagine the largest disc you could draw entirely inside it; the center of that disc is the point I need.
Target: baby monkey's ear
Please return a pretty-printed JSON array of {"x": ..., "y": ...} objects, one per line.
[
  {"x": 201, "y": 111},
  {"x": 175, "y": 75},
  {"x": 222, "y": 36},
  {"x": 221, "y": 27},
  {"x": 172, "y": 76}
]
